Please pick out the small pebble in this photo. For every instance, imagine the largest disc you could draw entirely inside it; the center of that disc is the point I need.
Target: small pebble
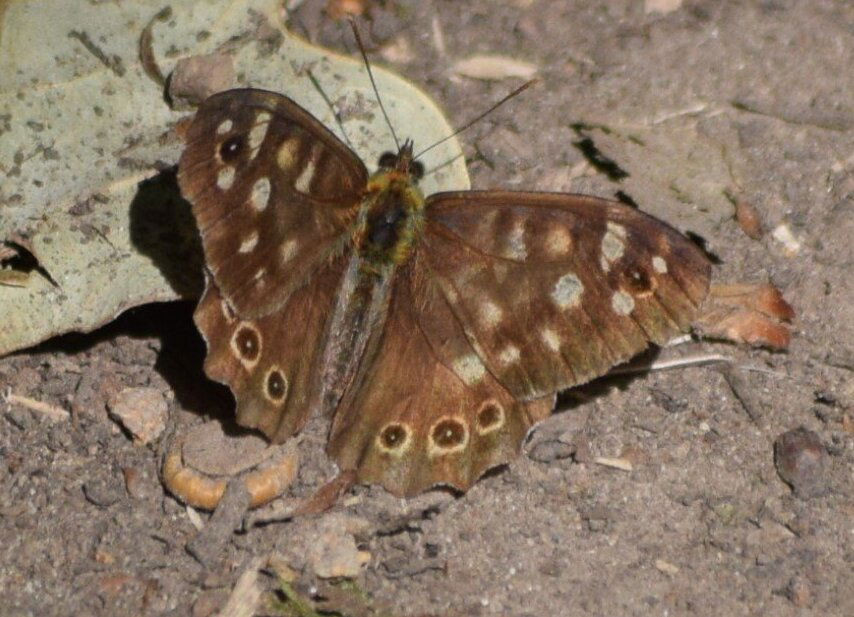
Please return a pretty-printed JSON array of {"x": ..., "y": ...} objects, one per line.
[
  {"x": 801, "y": 461},
  {"x": 143, "y": 412}
]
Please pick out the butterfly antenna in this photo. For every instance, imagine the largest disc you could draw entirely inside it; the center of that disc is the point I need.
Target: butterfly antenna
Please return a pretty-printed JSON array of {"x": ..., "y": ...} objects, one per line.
[
  {"x": 468, "y": 124},
  {"x": 373, "y": 83}
]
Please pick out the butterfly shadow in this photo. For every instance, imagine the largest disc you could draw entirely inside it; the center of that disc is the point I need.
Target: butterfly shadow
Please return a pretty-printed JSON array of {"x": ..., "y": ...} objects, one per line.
[{"x": 163, "y": 229}]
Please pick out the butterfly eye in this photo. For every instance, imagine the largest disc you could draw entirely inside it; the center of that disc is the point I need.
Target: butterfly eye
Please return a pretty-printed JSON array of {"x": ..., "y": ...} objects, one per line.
[
  {"x": 231, "y": 148},
  {"x": 416, "y": 170},
  {"x": 387, "y": 160}
]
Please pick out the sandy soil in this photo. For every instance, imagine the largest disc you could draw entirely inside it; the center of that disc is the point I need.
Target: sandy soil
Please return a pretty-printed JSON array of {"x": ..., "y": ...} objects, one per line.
[{"x": 701, "y": 525}]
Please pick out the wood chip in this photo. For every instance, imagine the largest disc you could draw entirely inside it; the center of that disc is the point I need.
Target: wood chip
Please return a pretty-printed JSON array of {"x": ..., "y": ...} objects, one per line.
[
  {"x": 494, "y": 68},
  {"x": 245, "y": 598},
  {"x": 783, "y": 234},
  {"x": 617, "y": 463},
  {"x": 661, "y": 6},
  {"x": 666, "y": 567}
]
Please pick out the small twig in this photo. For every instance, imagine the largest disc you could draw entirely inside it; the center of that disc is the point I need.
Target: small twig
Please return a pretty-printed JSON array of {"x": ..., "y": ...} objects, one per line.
[
  {"x": 664, "y": 365},
  {"x": 51, "y": 411}
]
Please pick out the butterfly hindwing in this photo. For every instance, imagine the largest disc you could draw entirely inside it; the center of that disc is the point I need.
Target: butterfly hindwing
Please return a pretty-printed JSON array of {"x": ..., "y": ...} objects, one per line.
[
  {"x": 273, "y": 192},
  {"x": 413, "y": 421},
  {"x": 272, "y": 363}
]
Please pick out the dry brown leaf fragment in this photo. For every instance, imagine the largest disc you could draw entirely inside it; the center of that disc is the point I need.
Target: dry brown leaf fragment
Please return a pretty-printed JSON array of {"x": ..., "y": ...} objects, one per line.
[
  {"x": 494, "y": 68},
  {"x": 745, "y": 313},
  {"x": 749, "y": 219}
]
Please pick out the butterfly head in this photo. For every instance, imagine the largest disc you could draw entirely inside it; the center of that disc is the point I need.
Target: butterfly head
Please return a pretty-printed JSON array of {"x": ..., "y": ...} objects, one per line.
[{"x": 402, "y": 164}]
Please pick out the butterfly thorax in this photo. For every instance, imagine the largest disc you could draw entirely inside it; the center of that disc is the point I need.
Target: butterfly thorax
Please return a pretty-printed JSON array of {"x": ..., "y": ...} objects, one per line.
[{"x": 391, "y": 214}]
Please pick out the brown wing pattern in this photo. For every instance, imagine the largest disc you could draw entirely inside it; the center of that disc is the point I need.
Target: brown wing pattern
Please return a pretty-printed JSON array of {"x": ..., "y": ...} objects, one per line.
[
  {"x": 272, "y": 363},
  {"x": 553, "y": 290},
  {"x": 272, "y": 191},
  {"x": 414, "y": 421}
]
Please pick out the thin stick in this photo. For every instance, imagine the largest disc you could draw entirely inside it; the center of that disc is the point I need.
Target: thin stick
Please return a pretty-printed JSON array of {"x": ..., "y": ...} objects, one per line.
[
  {"x": 51, "y": 411},
  {"x": 373, "y": 83},
  {"x": 480, "y": 117}
]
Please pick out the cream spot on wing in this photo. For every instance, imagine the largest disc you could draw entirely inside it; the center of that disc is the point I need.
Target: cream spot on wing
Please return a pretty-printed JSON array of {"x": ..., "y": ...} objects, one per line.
[
  {"x": 224, "y": 127},
  {"x": 289, "y": 249},
  {"x": 622, "y": 303},
  {"x": 469, "y": 368},
  {"x": 516, "y": 247},
  {"x": 225, "y": 178},
  {"x": 551, "y": 339},
  {"x": 249, "y": 243},
  {"x": 558, "y": 241},
  {"x": 259, "y": 279},
  {"x": 659, "y": 265},
  {"x": 260, "y": 194},
  {"x": 613, "y": 243},
  {"x": 258, "y": 132},
  {"x": 286, "y": 157},
  {"x": 303, "y": 181},
  {"x": 227, "y": 311},
  {"x": 567, "y": 291},
  {"x": 509, "y": 355},
  {"x": 490, "y": 314}
]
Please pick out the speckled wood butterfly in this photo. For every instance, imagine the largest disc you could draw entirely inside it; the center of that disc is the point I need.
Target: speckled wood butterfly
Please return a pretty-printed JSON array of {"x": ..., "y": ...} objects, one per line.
[{"x": 434, "y": 330}]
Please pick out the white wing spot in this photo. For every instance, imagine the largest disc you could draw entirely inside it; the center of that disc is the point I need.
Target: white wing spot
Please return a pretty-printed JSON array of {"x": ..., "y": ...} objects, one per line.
[
  {"x": 567, "y": 291},
  {"x": 551, "y": 339},
  {"x": 259, "y": 279},
  {"x": 289, "y": 249},
  {"x": 469, "y": 368},
  {"x": 622, "y": 303},
  {"x": 509, "y": 355},
  {"x": 260, "y": 193},
  {"x": 659, "y": 265},
  {"x": 287, "y": 154},
  {"x": 224, "y": 127},
  {"x": 516, "y": 247},
  {"x": 303, "y": 181},
  {"x": 558, "y": 241},
  {"x": 258, "y": 132},
  {"x": 613, "y": 245},
  {"x": 249, "y": 243},
  {"x": 225, "y": 178},
  {"x": 490, "y": 314}
]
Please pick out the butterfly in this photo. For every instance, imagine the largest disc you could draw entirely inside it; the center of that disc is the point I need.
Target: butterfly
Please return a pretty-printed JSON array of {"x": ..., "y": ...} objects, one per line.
[{"x": 434, "y": 331}]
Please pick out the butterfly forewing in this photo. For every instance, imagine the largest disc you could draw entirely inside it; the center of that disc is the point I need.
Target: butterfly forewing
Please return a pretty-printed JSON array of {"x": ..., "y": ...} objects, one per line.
[
  {"x": 553, "y": 290},
  {"x": 273, "y": 192}
]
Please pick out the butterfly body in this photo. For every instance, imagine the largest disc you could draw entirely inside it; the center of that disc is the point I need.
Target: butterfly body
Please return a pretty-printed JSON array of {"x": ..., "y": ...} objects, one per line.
[
  {"x": 391, "y": 215},
  {"x": 434, "y": 331}
]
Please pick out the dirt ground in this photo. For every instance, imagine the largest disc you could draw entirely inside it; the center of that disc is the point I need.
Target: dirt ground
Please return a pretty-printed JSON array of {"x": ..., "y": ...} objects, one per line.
[{"x": 702, "y": 524}]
